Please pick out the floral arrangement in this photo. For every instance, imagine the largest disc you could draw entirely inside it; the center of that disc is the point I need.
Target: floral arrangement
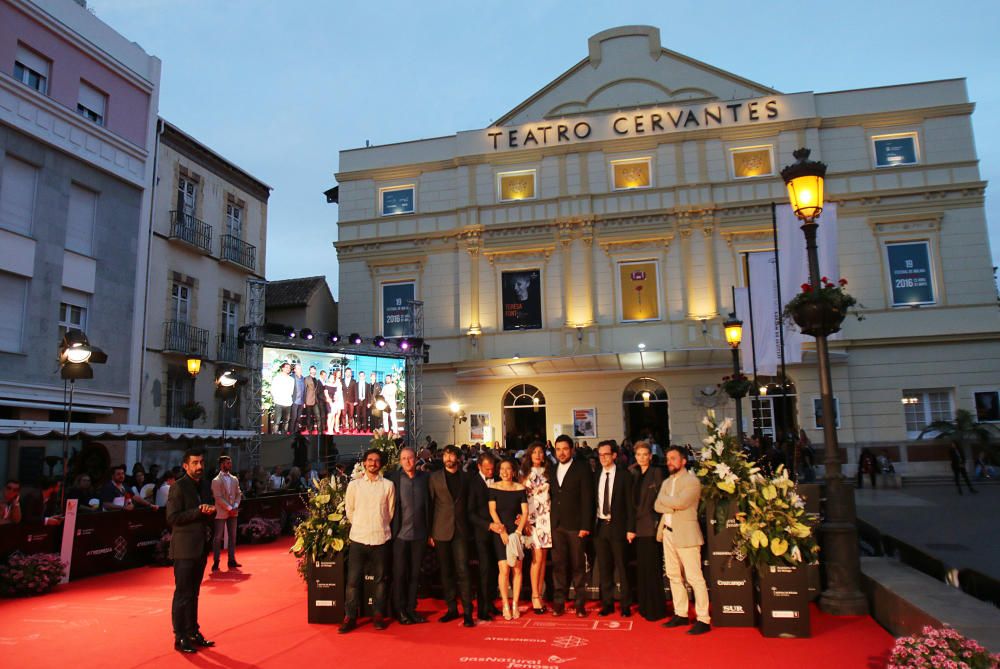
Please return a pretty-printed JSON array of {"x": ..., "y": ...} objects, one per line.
[
  {"x": 30, "y": 574},
  {"x": 325, "y": 530},
  {"x": 723, "y": 468},
  {"x": 386, "y": 443},
  {"x": 774, "y": 525},
  {"x": 736, "y": 386},
  {"x": 940, "y": 648},
  {"x": 832, "y": 294},
  {"x": 260, "y": 530},
  {"x": 192, "y": 410}
]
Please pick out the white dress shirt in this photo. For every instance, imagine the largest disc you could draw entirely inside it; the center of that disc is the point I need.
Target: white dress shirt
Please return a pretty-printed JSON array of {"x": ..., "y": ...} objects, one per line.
[
  {"x": 561, "y": 470},
  {"x": 605, "y": 473},
  {"x": 282, "y": 389},
  {"x": 370, "y": 505}
]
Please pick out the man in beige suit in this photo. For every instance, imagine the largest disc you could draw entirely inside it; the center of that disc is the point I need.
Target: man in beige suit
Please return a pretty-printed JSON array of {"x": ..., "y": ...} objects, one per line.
[
  {"x": 227, "y": 494},
  {"x": 681, "y": 536}
]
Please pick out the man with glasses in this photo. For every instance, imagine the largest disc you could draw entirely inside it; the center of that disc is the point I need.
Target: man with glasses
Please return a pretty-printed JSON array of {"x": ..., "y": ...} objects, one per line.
[
  {"x": 370, "y": 502},
  {"x": 615, "y": 528}
]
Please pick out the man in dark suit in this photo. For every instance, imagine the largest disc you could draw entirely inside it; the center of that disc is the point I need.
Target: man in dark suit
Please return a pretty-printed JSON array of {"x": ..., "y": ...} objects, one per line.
[
  {"x": 615, "y": 528},
  {"x": 41, "y": 506},
  {"x": 483, "y": 529},
  {"x": 410, "y": 528},
  {"x": 363, "y": 411},
  {"x": 450, "y": 532},
  {"x": 187, "y": 514},
  {"x": 350, "y": 397},
  {"x": 572, "y": 496}
]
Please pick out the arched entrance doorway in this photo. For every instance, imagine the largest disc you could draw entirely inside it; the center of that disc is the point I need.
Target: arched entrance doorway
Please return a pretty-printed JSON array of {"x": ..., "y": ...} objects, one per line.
[
  {"x": 774, "y": 408},
  {"x": 646, "y": 410},
  {"x": 523, "y": 416}
]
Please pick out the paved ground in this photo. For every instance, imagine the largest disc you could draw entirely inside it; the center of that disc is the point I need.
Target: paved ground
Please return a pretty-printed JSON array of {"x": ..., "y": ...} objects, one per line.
[{"x": 961, "y": 530}]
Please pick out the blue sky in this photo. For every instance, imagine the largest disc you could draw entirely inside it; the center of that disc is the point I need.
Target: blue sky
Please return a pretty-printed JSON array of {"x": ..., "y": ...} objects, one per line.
[{"x": 280, "y": 87}]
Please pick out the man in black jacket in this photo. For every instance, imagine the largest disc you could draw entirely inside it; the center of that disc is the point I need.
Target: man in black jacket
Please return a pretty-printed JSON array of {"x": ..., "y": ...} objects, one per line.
[
  {"x": 410, "y": 527},
  {"x": 187, "y": 515},
  {"x": 615, "y": 527},
  {"x": 449, "y": 533},
  {"x": 572, "y": 496},
  {"x": 483, "y": 528}
]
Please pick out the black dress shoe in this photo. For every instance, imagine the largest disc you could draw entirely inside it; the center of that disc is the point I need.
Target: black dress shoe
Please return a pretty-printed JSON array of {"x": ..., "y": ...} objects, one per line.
[
  {"x": 626, "y": 612},
  {"x": 449, "y": 616},
  {"x": 467, "y": 620},
  {"x": 215, "y": 566},
  {"x": 494, "y": 611},
  {"x": 184, "y": 645},
  {"x": 699, "y": 628},
  {"x": 404, "y": 619},
  {"x": 558, "y": 610},
  {"x": 606, "y": 611},
  {"x": 381, "y": 623},
  {"x": 581, "y": 612},
  {"x": 199, "y": 640},
  {"x": 676, "y": 621},
  {"x": 346, "y": 626},
  {"x": 483, "y": 615},
  {"x": 416, "y": 617},
  {"x": 235, "y": 565}
]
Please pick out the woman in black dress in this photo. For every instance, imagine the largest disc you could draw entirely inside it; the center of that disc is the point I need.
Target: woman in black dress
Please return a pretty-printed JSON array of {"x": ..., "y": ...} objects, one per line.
[
  {"x": 648, "y": 553},
  {"x": 509, "y": 508}
]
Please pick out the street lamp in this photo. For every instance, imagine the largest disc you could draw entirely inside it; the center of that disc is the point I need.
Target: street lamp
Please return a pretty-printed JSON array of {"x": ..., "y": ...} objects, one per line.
[
  {"x": 843, "y": 595},
  {"x": 457, "y": 416},
  {"x": 734, "y": 336},
  {"x": 194, "y": 365},
  {"x": 75, "y": 356}
]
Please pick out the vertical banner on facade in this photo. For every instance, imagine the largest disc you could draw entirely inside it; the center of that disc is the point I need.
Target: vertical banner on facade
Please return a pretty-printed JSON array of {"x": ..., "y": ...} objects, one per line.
[
  {"x": 397, "y": 319},
  {"x": 792, "y": 249},
  {"x": 639, "y": 296},
  {"x": 522, "y": 299},
  {"x": 769, "y": 329}
]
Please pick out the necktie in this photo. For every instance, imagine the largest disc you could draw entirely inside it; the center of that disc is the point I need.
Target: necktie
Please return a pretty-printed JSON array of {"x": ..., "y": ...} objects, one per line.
[
  {"x": 606, "y": 506},
  {"x": 362, "y": 388}
]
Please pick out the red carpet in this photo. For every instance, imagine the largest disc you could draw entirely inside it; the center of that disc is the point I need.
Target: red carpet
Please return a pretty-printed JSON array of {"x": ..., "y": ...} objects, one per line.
[{"x": 258, "y": 618}]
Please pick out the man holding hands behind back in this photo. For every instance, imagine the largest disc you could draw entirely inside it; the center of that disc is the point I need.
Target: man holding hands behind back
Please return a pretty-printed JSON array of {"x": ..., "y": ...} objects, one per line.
[
  {"x": 187, "y": 515},
  {"x": 572, "y": 496}
]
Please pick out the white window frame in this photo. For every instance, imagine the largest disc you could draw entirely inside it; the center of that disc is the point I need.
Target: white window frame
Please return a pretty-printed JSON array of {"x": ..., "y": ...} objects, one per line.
[
  {"x": 982, "y": 391},
  {"x": 388, "y": 189},
  {"x": 32, "y": 63},
  {"x": 747, "y": 149},
  {"x": 234, "y": 220},
  {"x": 73, "y": 300},
  {"x": 886, "y": 243},
  {"x": 618, "y": 287},
  {"x": 180, "y": 301},
  {"x": 517, "y": 173},
  {"x": 817, "y": 403},
  {"x": 98, "y": 116},
  {"x": 917, "y": 158},
  {"x": 923, "y": 397},
  {"x": 188, "y": 188},
  {"x": 647, "y": 160},
  {"x": 230, "y": 319}
]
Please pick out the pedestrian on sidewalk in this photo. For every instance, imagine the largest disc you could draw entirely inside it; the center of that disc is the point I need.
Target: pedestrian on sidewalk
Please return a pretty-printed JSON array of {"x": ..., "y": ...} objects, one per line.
[{"x": 958, "y": 468}]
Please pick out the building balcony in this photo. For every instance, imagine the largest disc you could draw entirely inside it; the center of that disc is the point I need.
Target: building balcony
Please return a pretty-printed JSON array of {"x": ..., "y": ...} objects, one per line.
[
  {"x": 187, "y": 228},
  {"x": 227, "y": 351},
  {"x": 185, "y": 339},
  {"x": 235, "y": 250}
]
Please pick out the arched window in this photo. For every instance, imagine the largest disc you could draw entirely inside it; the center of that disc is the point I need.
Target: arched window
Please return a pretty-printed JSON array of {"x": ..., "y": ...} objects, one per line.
[
  {"x": 645, "y": 391},
  {"x": 646, "y": 411},
  {"x": 523, "y": 395},
  {"x": 523, "y": 416}
]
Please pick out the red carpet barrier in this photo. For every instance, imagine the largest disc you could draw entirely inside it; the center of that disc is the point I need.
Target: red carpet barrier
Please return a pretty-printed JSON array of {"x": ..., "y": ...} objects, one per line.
[
  {"x": 115, "y": 540},
  {"x": 29, "y": 539}
]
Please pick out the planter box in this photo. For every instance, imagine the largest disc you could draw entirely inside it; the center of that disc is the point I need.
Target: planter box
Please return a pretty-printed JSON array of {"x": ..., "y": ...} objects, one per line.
[
  {"x": 730, "y": 583},
  {"x": 327, "y": 581},
  {"x": 783, "y": 601}
]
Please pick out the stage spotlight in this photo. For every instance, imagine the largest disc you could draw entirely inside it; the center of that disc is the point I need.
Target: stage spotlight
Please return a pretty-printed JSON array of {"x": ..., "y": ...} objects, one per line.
[
  {"x": 306, "y": 334},
  {"x": 403, "y": 344},
  {"x": 355, "y": 338},
  {"x": 379, "y": 341},
  {"x": 333, "y": 338},
  {"x": 279, "y": 329}
]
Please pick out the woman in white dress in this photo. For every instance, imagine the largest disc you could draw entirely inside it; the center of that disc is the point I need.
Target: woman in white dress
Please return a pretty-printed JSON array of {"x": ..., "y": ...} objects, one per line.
[
  {"x": 335, "y": 389},
  {"x": 536, "y": 473},
  {"x": 389, "y": 395}
]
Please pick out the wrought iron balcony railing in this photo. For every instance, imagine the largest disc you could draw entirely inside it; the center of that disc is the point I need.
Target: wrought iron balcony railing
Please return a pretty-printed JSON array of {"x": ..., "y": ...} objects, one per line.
[
  {"x": 183, "y": 338},
  {"x": 189, "y": 229},
  {"x": 237, "y": 251},
  {"x": 227, "y": 351}
]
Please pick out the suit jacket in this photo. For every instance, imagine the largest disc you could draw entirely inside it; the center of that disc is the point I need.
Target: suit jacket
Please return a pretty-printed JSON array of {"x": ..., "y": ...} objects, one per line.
[
  {"x": 369, "y": 391},
  {"x": 449, "y": 518},
  {"x": 573, "y": 501},
  {"x": 34, "y": 510},
  {"x": 188, "y": 540},
  {"x": 622, "y": 504},
  {"x": 478, "y": 505},
  {"x": 644, "y": 492},
  {"x": 225, "y": 501},
  {"x": 351, "y": 392},
  {"x": 683, "y": 504},
  {"x": 421, "y": 480}
]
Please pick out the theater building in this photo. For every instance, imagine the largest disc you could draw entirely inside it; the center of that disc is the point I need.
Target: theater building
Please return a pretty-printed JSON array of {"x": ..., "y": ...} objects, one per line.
[{"x": 576, "y": 260}]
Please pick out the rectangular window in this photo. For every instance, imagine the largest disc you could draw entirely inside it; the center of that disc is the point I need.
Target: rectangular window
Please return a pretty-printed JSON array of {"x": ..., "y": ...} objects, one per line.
[
  {"x": 896, "y": 150},
  {"x": 13, "y": 297},
  {"x": 910, "y": 276},
  {"x": 73, "y": 311},
  {"x": 32, "y": 69},
  {"x": 632, "y": 173},
  {"x": 516, "y": 185},
  {"x": 230, "y": 319},
  {"x": 752, "y": 161},
  {"x": 638, "y": 291},
  {"x": 179, "y": 303},
  {"x": 234, "y": 221},
  {"x": 93, "y": 104},
  {"x": 180, "y": 391},
  {"x": 80, "y": 221},
  {"x": 187, "y": 190},
  {"x": 17, "y": 195},
  {"x": 987, "y": 405},
  {"x": 923, "y": 407},
  {"x": 396, "y": 200}
]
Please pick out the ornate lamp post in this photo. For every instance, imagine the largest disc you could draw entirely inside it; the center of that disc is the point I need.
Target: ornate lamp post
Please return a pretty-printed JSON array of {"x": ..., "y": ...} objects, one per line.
[
  {"x": 734, "y": 335},
  {"x": 843, "y": 595}
]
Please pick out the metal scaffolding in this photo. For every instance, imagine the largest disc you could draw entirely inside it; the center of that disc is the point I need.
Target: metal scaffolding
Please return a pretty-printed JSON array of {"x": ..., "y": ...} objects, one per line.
[
  {"x": 256, "y": 290},
  {"x": 414, "y": 379}
]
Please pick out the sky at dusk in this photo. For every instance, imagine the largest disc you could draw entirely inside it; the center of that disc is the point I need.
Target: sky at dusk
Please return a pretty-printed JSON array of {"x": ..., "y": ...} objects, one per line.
[{"x": 279, "y": 88}]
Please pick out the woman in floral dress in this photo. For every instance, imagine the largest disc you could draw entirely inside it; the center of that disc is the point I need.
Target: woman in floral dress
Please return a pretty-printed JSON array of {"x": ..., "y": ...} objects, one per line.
[{"x": 536, "y": 472}]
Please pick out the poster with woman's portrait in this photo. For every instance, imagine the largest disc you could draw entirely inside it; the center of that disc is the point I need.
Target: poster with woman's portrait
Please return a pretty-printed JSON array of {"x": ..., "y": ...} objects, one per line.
[
  {"x": 478, "y": 423},
  {"x": 585, "y": 423},
  {"x": 521, "y": 292}
]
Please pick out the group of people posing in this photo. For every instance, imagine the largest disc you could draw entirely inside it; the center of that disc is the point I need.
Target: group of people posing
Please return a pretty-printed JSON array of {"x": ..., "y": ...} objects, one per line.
[
  {"x": 508, "y": 510},
  {"x": 332, "y": 402}
]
